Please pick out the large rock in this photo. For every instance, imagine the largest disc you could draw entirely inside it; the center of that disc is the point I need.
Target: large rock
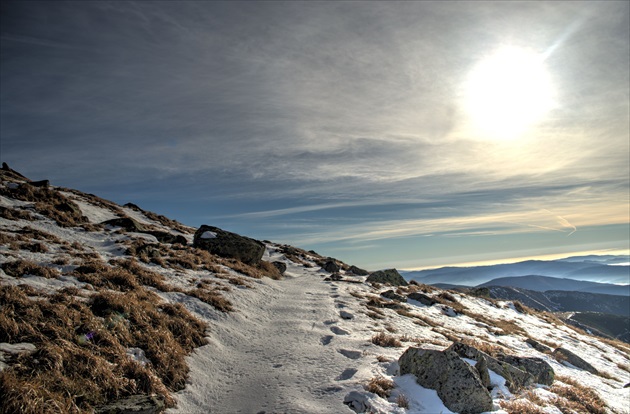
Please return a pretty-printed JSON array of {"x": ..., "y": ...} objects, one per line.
[
  {"x": 128, "y": 224},
  {"x": 166, "y": 237},
  {"x": 457, "y": 383},
  {"x": 542, "y": 372},
  {"x": 331, "y": 266},
  {"x": 389, "y": 276},
  {"x": 576, "y": 361},
  {"x": 226, "y": 244},
  {"x": 390, "y": 294},
  {"x": 358, "y": 271},
  {"x": 422, "y": 298},
  {"x": 515, "y": 377}
]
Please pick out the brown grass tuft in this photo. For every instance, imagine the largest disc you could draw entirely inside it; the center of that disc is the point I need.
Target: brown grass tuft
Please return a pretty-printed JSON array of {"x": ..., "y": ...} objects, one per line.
[
  {"x": 212, "y": 298},
  {"x": 20, "y": 268},
  {"x": 384, "y": 340},
  {"x": 576, "y": 397},
  {"x": 380, "y": 386}
]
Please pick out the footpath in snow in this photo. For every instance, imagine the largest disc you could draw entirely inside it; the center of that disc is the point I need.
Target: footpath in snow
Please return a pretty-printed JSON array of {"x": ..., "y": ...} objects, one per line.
[{"x": 281, "y": 351}]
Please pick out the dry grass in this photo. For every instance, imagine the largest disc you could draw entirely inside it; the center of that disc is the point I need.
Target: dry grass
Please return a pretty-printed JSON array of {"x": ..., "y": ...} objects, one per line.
[
  {"x": 20, "y": 268},
  {"x": 80, "y": 360},
  {"x": 575, "y": 397},
  {"x": 212, "y": 298},
  {"x": 15, "y": 214},
  {"x": 263, "y": 269},
  {"x": 506, "y": 327},
  {"x": 385, "y": 340},
  {"x": 521, "y": 406},
  {"x": 380, "y": 386},
  {"x": 402, "y": 401},
  {"x": 483, "y": 346}
]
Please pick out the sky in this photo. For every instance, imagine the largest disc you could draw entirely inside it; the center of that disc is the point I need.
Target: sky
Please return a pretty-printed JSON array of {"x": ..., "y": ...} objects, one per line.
[{"x": 385, "y": 134}]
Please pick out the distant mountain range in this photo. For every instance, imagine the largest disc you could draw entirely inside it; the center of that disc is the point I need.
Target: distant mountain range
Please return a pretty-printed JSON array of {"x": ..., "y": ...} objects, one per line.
[
  {"x": 607, "y": 269},
  {"x": 546, "y": 283}
]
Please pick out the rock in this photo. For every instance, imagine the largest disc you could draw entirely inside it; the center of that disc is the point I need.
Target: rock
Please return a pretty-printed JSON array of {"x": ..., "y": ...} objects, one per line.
[
  {"x": 515, "y": 377},
  {"x": 135, "y": 404},
  {"x": 227, "y": 244},
  {"x": 542, "y": 372},
  {"x": 357, "y": 401},
  {"x": 389, "y": 276},
  {"x": 40, "y": 184},
  {"x": 457, "y": 383},
  {"x": 576, "y": 361},
  {"x": 166, "y": 237},
  {"x": 281, "y": 266},
  {"x": 128, "y": 224},
  {"x": 358, "y": 271},
  {"x": 390, "y": 294},
  {"x": 336, "y": 277},
  {"x": 331, "y": 266},
  {"x": 422, "y": 298},
  {"x": 482, "y": 368},
  {"x": 538, "y": 346}
]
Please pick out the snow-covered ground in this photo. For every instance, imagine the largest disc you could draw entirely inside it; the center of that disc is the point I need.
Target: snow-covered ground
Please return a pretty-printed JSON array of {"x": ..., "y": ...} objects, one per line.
[{"x": 304, "y": 344}]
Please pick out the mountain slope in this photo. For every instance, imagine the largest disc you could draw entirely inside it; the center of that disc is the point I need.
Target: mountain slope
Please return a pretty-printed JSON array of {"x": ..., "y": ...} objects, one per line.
[
  {"x": 586, "y": 270},
  {"x": 545, "y": 283},
  {"x": 126, "y": 305}
]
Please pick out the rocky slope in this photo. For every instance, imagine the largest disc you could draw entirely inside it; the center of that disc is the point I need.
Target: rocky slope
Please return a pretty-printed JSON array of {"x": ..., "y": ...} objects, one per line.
[{"x": 103, "y": 306}]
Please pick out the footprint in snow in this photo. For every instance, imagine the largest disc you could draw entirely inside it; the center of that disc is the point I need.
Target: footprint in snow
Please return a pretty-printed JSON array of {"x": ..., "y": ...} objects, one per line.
[
  {"x": 346, "y": 315},
  {"x": 325, "y": 340},
  {"x": 350, "y": 354},
  {"x": 330, "y": 322},
  {"x": 338, "y": 331},
  {"x": 340, "y": 305},
  {"x": 346, "y": 374},
  {"x": 335, "y": 296}
]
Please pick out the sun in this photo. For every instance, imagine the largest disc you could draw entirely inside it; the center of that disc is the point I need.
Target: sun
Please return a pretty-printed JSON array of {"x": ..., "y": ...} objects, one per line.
[{"x": 508, "y": 92}]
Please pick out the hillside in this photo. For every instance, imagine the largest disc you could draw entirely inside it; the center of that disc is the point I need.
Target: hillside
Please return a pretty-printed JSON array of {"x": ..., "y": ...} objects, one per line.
[
  {"x": 101, "y": 304},
  {"x": 585, "y": 268},
  {"x": 562, "y": 300},
  {"x": 546, "y": 283}
]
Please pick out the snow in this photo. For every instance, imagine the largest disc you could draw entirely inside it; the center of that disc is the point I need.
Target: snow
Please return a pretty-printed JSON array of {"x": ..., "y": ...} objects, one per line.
[{"x": 208, "y": 235}]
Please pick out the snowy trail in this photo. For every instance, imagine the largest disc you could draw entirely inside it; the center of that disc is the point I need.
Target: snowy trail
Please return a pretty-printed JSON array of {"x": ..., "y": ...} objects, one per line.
[{"x": 281, "y": 352}]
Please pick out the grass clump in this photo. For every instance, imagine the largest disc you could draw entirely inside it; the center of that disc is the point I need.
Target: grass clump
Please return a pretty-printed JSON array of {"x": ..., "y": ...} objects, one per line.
[
  {"x": 385, "y": 340},
  {"x": 21, "y": 267},
  {"x": 575, "y": 397},
  {"x": 380, "y": 386}
]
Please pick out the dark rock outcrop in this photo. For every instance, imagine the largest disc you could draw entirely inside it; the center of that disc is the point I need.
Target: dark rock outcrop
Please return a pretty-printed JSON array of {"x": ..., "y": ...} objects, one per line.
[
  {"x": 390, "y": 294},
  {"x": 542, "y": 372},
  {"x": 331, "y": 266},
  {"x": 40, "y": 184},
  {"x": 457, "y": 383},
  {"x": 128, "y": 224},
  {"x": 166, "y": 237},
  {"x": 389, "y": 276},
  {"x": 281, "y": 266},
  {"x": 515, "y": 377},
  {"x": 482, "y": 369},
  {"x": 358, "y": 271},
  {"x": 538, "y": 346},
  {"x": 576, "y": 361},
  {"x": 422, "y": 298},
  {"x": 226, "y": 244},
  {"x": 135, "y": 404}
]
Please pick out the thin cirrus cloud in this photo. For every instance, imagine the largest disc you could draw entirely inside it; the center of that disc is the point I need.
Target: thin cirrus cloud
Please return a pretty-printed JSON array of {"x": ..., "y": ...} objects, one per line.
[{"x": 343, "y": 118}]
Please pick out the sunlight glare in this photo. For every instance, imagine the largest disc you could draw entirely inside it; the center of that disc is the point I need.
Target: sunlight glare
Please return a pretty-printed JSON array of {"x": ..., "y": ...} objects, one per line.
[{"x": 508, "y": 92}]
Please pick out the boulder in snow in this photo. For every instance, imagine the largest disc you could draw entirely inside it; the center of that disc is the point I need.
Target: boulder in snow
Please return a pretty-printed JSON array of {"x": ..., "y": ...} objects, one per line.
[
  {"x": 422, "y": 298},
  {"x": 281, "y": 266},
  {"x": 390, "y": 294},
  {"x": 331, "y": 266},
  {"x": 576, "y": 361},
  {"x": 389, "y": 276},
  {"x": 232, "y": 245},
  {"x": 358, "y": 271},
  {"x": 457, "y": 383}
]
